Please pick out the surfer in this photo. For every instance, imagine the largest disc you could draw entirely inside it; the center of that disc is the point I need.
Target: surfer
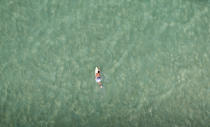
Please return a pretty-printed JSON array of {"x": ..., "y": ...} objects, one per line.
[{"x": 98, "y": 77}]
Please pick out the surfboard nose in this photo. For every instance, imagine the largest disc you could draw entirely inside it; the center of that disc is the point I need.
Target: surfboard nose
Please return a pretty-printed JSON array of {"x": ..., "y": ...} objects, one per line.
[{"x": 96, "y": 70}]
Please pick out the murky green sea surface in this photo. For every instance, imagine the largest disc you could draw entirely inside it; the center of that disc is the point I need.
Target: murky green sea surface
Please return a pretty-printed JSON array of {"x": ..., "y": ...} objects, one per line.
[{"x": 154, "y": 55}]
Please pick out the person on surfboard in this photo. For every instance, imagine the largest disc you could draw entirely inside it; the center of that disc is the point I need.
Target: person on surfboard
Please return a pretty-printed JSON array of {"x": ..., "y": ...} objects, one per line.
[{"x": 98, "y": 77}]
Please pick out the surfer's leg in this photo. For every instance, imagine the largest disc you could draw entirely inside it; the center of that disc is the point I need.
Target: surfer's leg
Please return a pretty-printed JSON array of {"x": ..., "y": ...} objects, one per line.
[{"x": 100, "y": 84}]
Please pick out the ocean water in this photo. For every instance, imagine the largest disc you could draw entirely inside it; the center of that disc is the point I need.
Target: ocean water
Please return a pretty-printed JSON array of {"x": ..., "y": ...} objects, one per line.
[{"x": 154, "y": 57}]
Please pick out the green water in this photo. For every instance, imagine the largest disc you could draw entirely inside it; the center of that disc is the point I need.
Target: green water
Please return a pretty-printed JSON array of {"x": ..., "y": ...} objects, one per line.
[{"x": 154, "y": 55}]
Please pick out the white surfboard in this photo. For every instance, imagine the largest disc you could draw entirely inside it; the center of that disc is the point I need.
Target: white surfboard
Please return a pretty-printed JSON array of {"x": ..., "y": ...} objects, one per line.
[{"x": 96, "y": 70}]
